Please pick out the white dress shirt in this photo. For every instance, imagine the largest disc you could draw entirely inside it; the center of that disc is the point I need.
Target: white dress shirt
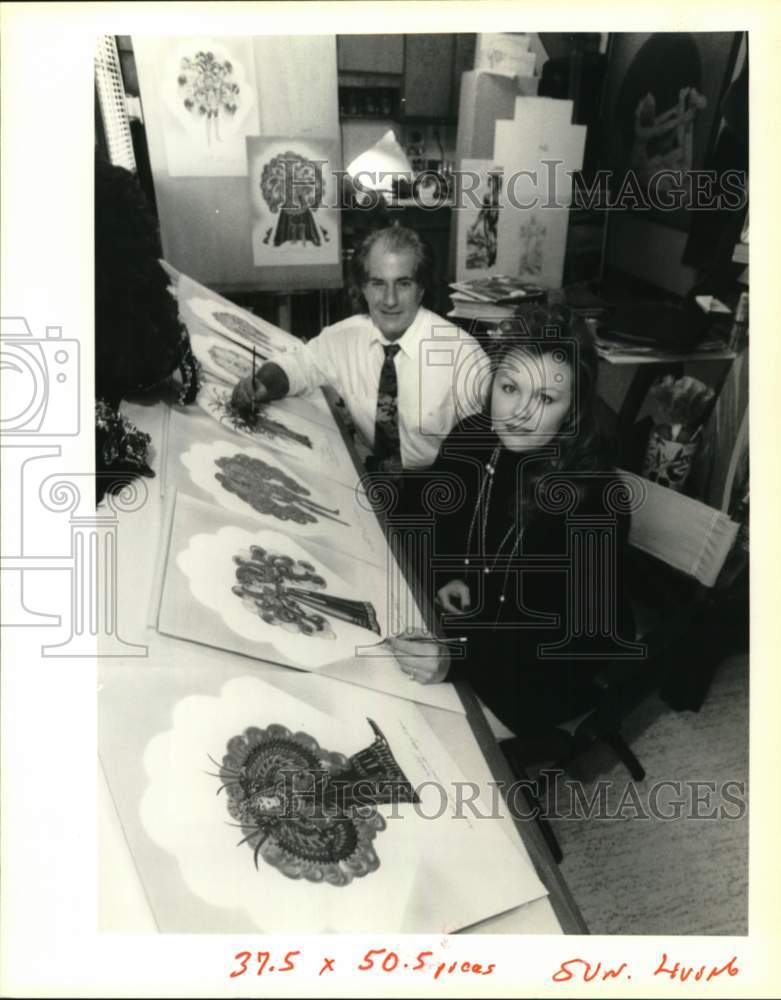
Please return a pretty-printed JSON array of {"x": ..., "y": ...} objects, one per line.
[{"x": 441, "y": 372}]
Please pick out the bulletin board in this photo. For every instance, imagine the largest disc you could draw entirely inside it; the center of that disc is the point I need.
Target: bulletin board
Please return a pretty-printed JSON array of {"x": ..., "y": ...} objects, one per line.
[{"x": 204, "y": 100}]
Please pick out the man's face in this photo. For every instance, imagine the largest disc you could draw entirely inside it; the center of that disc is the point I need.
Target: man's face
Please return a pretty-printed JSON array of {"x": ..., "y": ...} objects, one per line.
[{"x": 391, "y": 291}]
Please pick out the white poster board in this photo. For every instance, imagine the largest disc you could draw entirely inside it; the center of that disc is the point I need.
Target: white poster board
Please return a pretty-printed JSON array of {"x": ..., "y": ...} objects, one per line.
[{"x": 207, "y": 92}]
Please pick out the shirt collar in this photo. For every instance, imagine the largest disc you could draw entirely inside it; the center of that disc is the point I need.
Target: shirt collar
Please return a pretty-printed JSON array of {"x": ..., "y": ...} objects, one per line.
[{"x": 408, "y": 342}]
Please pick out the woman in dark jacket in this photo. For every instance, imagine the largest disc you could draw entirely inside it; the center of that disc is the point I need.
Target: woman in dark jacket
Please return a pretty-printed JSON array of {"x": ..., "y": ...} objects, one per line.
[{"x": 527, "y": 563}]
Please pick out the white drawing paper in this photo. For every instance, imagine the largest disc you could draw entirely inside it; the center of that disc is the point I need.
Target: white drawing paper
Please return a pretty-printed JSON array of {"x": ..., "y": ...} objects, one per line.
[
  {"x": 477, "y": 232},
  {"x": 217, "y": 869},
  {"x": 221, "y": 358},
  {"x": 294, "y": 201},
  {"x": 232, "y": 584},
  {"x": 539, "y": 150},
  {"x": 258, "y": 482},
  {"x": 164, "y": 766},
  {"x": 241, "y": 326},
  {"x": 208, "y": 92},
  {"x": 278, "y": 425},
  {"x": 205, "y": 314}
]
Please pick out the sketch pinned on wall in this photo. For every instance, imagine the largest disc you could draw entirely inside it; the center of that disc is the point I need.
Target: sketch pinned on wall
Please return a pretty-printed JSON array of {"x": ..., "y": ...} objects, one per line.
[
  {"x": 478, "y": 221},
  {"x": 294, "y": 199},
  {"x": 231, "y": 584},
  {"x": 208, "y": 92},
  {"x": 481, "y": 236},
  {"x": 532, "y": 248},
  {"x": 540, "y": 149}
]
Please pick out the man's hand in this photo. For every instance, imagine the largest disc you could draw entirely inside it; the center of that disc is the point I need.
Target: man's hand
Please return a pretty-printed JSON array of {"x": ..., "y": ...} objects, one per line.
[
  {"x": 248, "y": 394},
  {"x": 421, "y": 657},
  {"x": 270, "y": 382},
  {"x": 454, "y": 597}
]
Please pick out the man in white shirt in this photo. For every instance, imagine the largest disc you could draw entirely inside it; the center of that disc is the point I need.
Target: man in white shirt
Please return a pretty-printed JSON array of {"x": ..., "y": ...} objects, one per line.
[{"x": 425, "y": 373}]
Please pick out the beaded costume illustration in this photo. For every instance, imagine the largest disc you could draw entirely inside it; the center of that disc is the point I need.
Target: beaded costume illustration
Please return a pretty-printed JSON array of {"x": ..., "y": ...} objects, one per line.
[{"x": 310, "y": 813}]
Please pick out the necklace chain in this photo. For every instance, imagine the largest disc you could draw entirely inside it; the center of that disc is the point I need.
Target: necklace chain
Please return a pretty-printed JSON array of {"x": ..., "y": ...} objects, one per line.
[{"x": 486, "y": 489}]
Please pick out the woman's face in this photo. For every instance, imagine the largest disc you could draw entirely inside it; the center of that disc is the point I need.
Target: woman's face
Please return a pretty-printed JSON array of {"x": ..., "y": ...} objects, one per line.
[{"x": 530, "y": 398}]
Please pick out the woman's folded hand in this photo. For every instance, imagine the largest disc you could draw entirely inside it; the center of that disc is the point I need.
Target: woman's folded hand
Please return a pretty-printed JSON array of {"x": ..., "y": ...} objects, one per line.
[{"x": 454, "y": 597}]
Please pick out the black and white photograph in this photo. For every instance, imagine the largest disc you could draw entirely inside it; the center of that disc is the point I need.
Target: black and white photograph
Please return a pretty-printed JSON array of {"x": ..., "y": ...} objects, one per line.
[{"x": 405, "y": 583}]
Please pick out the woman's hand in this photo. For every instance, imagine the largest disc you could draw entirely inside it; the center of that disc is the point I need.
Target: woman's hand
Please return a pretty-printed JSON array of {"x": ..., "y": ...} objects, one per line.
[
  {"x": 421, "y": 657},
  {"x": 454, "y": 597},
  {"x": 248, "y": 394}
]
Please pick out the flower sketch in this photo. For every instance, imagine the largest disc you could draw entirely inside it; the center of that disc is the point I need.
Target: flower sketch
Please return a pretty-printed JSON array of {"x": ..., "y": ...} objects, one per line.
[{"x": 208, "y": 90}]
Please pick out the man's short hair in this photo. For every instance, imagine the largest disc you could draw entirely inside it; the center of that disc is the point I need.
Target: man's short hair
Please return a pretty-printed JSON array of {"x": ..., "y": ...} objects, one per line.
[{"x": 395, "y": 239}]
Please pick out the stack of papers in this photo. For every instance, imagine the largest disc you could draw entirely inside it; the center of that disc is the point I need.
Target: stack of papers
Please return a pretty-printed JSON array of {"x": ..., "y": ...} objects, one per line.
[{"x": 492, "y": 298}]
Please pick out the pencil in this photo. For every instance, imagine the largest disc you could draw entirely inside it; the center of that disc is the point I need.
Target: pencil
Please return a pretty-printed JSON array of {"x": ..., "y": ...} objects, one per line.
[
  {"x": 254, "y": 406},
  {"x": 433, "y": 638}
]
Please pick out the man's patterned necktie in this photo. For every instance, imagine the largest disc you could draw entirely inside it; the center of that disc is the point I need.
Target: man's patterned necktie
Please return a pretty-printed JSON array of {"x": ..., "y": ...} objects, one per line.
[{"x": 387, "y": 449}]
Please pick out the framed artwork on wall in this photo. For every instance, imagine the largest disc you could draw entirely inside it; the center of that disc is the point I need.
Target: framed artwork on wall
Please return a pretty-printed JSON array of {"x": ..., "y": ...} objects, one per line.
[{"x": 661, "y": 114}]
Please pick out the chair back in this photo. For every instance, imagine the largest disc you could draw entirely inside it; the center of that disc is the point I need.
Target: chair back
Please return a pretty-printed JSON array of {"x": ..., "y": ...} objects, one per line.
[{"x": 682, "y": 532}]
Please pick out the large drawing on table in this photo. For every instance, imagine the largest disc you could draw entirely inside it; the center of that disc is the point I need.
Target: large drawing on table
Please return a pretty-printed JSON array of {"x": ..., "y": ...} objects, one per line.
[
  {"x": 231, "y": 584},
  {"x": 287, "y": 846},
  {"x": 282, "y": 494},
  {"x": 239, "y": 326},
  {"x": 278, "y": 425},
  {"x": 294, "y": 201},
  {"x": 295, "y": 603},
  {"x": 309, "y": 812}
]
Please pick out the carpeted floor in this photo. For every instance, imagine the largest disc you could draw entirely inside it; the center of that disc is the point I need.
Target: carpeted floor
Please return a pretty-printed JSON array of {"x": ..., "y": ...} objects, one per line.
[{"x": 686, "y": 875}]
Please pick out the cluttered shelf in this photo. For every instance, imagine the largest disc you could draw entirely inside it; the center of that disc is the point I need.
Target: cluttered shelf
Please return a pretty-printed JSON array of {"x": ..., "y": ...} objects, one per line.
[{"x": 617, "y": 352}]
